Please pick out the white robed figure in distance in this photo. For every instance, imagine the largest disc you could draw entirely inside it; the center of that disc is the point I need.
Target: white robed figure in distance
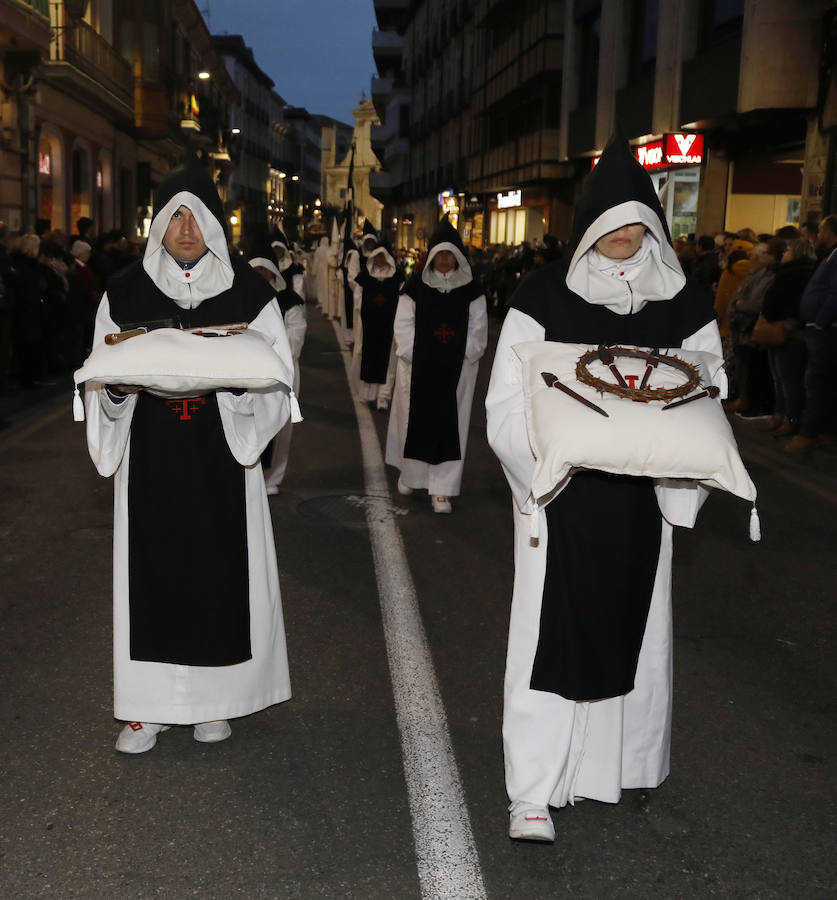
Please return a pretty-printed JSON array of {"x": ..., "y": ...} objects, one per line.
[
  {"x": 441, "y": 332},
  {"x": 292, "y": 306},
  {"x": 198, "y": 629},
  {"x": 573, "y": 729},
  {"x": 377, "y": 288}
]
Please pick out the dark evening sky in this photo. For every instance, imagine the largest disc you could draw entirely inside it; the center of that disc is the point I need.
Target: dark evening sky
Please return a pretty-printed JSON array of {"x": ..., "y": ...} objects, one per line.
[{"x": 319, "y": 52}]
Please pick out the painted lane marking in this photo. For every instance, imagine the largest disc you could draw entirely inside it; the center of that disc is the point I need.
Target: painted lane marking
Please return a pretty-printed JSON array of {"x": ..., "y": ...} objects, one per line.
[{"x": 446, "y": 853}]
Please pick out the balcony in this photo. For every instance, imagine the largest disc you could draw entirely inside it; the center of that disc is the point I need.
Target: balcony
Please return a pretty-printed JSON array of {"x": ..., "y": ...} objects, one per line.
[
  {"x": 381, "y": 92},
  {"x": 387, "y": 47},
  {"x": 85, "y": 65},
  {"x": 392, "y": 13},
  {"x": 28, "y": 22}
]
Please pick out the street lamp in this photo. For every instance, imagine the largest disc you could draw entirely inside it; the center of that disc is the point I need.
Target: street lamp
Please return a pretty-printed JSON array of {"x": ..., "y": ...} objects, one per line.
[
  {"x": 294, "y": 177},
  {"x": 236, "y": 131},
  {"x": 203, "y": 75}
]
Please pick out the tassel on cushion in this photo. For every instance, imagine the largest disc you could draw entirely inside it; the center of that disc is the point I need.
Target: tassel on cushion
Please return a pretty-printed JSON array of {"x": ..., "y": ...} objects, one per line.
[{"x": 78, "y": 406}]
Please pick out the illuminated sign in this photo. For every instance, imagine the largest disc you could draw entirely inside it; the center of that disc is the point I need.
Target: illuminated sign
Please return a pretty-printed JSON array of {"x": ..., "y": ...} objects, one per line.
[
  {"x": 684, "y": 149},
  {"x": 407, "y": 220},
  {"x": 444, "y": 196},
  {"x": 671, "y": 150},
  {"x": 43, "y": 163},
  {"x": 509, "y": 199}
]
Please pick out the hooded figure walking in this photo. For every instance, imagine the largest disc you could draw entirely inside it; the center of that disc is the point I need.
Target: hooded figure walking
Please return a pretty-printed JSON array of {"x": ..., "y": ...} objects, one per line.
[
  {"x": 441, "y": 331},
  {"x": 588, "y": 685},
  {"x": 198, "y": 630}
]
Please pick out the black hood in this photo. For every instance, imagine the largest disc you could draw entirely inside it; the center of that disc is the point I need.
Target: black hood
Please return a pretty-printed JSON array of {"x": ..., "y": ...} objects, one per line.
[
  {"x": 618, "y": 178},
  {"x": 445, "y": 233}
]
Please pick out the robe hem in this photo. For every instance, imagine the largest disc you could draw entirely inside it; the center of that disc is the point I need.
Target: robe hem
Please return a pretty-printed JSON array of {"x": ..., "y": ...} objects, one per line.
[{"x": 191, "y": 715}]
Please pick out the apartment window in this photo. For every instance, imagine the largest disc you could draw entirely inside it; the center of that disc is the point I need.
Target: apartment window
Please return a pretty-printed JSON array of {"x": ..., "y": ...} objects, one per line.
[
  {"x": 590, "y": 45},
  {"x": 151, "y": 52},
  {"x": 720, "y": 19},
  {"x": 645, "y": 20}
]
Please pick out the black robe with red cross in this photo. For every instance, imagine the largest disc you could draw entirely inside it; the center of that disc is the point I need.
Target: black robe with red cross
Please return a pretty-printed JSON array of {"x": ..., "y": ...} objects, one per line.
[
  {"x": 441, "y": 333},
  {"x": 188, "y": 557}
]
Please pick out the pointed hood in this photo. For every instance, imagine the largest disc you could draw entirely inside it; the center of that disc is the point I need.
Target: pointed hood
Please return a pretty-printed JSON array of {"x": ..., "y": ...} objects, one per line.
[
  {"x": 620, "y": 192},
  {"x": 369, "y": 239},
  {"x": 278, "y": 238},
  {"x": 446, "y": 237},
  {"x": 191, "y": 186}
]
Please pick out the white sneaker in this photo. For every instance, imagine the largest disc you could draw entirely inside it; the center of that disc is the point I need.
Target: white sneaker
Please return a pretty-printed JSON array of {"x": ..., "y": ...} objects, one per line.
[
  {"x": 528, "y": 822},
  {"x": 441, "y": 504},
  {"x": 212, "y": 732},
  {"x": 137, "y": 737},
  {"x": 403, "y": 489}
]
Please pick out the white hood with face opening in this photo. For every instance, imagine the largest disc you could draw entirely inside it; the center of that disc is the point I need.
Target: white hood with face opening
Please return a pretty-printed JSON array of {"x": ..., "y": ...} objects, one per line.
[
  {"x": 456, "y": 278},
  {"x": 211, "y": 275},
  {"x": 625, "y": 286}
]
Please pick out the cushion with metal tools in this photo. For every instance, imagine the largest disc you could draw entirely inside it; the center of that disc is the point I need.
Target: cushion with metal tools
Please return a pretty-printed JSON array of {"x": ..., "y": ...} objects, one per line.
[
  {"x": 628, "y": 410},
  {"x": 173, "y": 361}
]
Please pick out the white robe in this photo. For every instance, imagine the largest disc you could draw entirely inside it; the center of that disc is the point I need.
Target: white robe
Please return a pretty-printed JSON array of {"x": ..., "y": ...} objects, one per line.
[
  {"x": 295, "y": 326},
  {"x": 444, "y": 479},
  {"x": 320, "y": 274},
  {"x": 558, "y": 749},
  {"x": 181, "y": 694}
]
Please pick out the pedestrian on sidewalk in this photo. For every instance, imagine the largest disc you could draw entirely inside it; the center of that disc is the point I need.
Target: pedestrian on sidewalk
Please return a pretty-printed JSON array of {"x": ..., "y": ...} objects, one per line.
[
  {"x": 441, "y": 332},
  {"x": 588, "y": 685},
  {"x": 198, "y": 630}
]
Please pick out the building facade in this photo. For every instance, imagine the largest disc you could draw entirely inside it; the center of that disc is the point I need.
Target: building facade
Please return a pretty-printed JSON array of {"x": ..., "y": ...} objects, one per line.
[
  {"x": 100, "y": 100},
  {"x": 495, "y": 110}
]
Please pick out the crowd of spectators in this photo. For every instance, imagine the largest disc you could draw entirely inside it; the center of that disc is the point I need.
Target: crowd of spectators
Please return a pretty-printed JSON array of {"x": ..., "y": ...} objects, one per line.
[
  {"x": 785, "y": 375},
  {"x": 50, "y": 286},
  {"x": 776, "y": 302}
]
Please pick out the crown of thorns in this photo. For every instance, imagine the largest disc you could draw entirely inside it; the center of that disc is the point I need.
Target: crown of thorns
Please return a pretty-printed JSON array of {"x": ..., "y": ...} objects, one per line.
[{"x": 641, "y": 394}]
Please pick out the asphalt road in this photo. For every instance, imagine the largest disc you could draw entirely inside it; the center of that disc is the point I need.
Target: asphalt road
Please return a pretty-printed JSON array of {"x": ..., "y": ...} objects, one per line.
[{"x": 308, "y": 798}]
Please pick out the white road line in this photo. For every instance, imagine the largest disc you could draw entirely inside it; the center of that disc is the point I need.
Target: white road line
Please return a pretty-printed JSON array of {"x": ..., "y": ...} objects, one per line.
[{"x": 446, "y": 854}]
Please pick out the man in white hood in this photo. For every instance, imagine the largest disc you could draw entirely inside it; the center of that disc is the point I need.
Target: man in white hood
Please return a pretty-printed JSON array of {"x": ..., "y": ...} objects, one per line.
[
  {"x": 587, "y": 705},
  {"x": 198, "y": 630}
]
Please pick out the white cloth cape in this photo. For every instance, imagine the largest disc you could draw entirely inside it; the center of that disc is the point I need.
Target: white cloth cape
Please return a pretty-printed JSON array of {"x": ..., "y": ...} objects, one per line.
[
  {"x": 557, "y": 749},
  {"x": 444, "y": 479},
  {"x": 177, "y": 694}
]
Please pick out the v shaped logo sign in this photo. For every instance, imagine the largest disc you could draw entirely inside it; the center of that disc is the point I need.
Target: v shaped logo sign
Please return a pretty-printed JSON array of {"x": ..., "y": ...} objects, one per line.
[{"x": 684, "y": 142}]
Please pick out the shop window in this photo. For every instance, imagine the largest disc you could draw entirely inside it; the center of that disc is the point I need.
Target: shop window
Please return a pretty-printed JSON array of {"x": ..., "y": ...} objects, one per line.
[{"x": 80, "y": 184}]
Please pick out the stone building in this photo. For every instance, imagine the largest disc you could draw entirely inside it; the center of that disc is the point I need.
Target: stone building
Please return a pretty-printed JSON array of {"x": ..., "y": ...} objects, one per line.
[
  {"x": 336, "y": 165},
  {"x": 100, "y": 99}
]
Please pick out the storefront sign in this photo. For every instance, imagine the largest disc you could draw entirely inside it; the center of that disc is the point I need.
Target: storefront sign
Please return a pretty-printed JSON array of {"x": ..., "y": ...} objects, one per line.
[
  {"x": 444, "y": 196},
  {"x": 509, "y": 199},
  {"x": 684, "y": 149},
  {"x": 671, "y": 150}
]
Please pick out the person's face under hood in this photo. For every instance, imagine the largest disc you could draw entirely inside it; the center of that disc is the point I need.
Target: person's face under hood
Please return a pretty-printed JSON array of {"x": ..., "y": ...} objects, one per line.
[
  {"x": 444, "y": 261},
  {"x": 623, "y": 242},
  {"x": 183, "y": 239}
]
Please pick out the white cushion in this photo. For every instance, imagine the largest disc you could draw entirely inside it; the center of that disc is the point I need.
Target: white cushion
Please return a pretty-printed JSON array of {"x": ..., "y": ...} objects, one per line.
[
  {"x": 172, "y": 361},
  {"x": 694, "y": 441}
]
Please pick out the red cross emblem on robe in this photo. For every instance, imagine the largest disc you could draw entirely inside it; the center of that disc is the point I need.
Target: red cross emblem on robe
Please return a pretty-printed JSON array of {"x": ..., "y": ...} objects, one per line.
[
  {"x": 444, "y": 333},
  {"x": 186, "y": 406}
]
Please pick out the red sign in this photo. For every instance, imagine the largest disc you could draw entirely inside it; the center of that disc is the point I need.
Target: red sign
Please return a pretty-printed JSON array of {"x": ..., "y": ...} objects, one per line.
[
  {"x": 671, "y": 150},
  {"x": 684, "y": 149}
]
